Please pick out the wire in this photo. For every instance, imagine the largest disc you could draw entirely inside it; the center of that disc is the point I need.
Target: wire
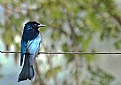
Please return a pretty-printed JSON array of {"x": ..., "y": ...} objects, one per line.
[{"x": 67, "y": 52}]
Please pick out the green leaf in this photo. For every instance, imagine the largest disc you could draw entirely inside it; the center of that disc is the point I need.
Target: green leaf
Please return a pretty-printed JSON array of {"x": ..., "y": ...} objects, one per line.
[
  {"x": 117, "y": 44},
  {"x": 99, "y": 76},
  {"x": 55, "y": 35},
  {"x": 5, "y": 1},
  {"x": 86, "y": 43},
  {"x": 69, "y": 57},
  {"x": 79, "y": 38},
  {"x": 93, "y": 21},
  {"x": 89, "y": 58},
  {"x": 8, "y": 37},
  {"x": 53, "y": 72}
]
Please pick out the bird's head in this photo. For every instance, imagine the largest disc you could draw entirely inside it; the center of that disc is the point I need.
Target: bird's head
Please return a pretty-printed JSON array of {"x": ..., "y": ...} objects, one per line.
[{"x": 33, "y": 25}]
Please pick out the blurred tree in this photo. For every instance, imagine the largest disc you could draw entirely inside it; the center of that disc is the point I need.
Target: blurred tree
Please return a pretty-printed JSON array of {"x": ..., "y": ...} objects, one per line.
[
  {"x": 72, "y": 24},
  {"x": 1, "y": 75}
]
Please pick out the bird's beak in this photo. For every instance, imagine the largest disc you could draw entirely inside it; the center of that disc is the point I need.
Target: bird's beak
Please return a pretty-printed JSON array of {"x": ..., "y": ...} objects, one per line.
[{"x": 41, "y": 25}]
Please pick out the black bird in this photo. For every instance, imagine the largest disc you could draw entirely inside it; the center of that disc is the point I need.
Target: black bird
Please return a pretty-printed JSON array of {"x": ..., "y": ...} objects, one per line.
[{"x": 30, "y": 44}]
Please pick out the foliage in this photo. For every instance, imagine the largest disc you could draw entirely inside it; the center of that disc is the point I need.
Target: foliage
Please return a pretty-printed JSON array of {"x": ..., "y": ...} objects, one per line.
[
  {"x": 1, "y": 75},
  {"x": 100, "y": 77},
  {"x": 53, "y": 72},
  {"x": 71, "y": 24}
]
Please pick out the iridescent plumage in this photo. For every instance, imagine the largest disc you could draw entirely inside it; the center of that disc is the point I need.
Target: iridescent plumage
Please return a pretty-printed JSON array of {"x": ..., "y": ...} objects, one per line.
[{"x": 30, "y": 44}]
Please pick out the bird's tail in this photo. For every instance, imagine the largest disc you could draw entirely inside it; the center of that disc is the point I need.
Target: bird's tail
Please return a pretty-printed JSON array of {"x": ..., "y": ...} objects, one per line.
[{"x": 27, "y": 70}]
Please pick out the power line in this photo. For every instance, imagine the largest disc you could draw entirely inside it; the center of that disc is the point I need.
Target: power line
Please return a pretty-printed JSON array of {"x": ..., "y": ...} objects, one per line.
[{"x": 67, "y": 52}]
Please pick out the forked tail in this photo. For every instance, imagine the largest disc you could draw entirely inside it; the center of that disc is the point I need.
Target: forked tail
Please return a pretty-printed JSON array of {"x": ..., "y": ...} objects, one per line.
[{"x": 27, "y": 70}]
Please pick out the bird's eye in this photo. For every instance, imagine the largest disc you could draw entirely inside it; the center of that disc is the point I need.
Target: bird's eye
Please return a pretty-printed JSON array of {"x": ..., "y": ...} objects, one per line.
[{"x": 35, "y": 24}]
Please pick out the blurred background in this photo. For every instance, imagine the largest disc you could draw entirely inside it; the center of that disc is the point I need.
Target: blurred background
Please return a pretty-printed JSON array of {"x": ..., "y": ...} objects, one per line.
[{"x": 71, "y": 25}]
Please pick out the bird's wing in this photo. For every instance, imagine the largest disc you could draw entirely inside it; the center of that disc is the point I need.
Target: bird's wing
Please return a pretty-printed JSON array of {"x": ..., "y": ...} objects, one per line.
[
  {"x": 33, "y": 48},
  {"x": 30, "y": 46},
  {"x": 23, "y": 50},
  {"x": 23, "y": 47},
  {"x": 26, "y": 37},
  {"x": 34, "y": 45}
]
